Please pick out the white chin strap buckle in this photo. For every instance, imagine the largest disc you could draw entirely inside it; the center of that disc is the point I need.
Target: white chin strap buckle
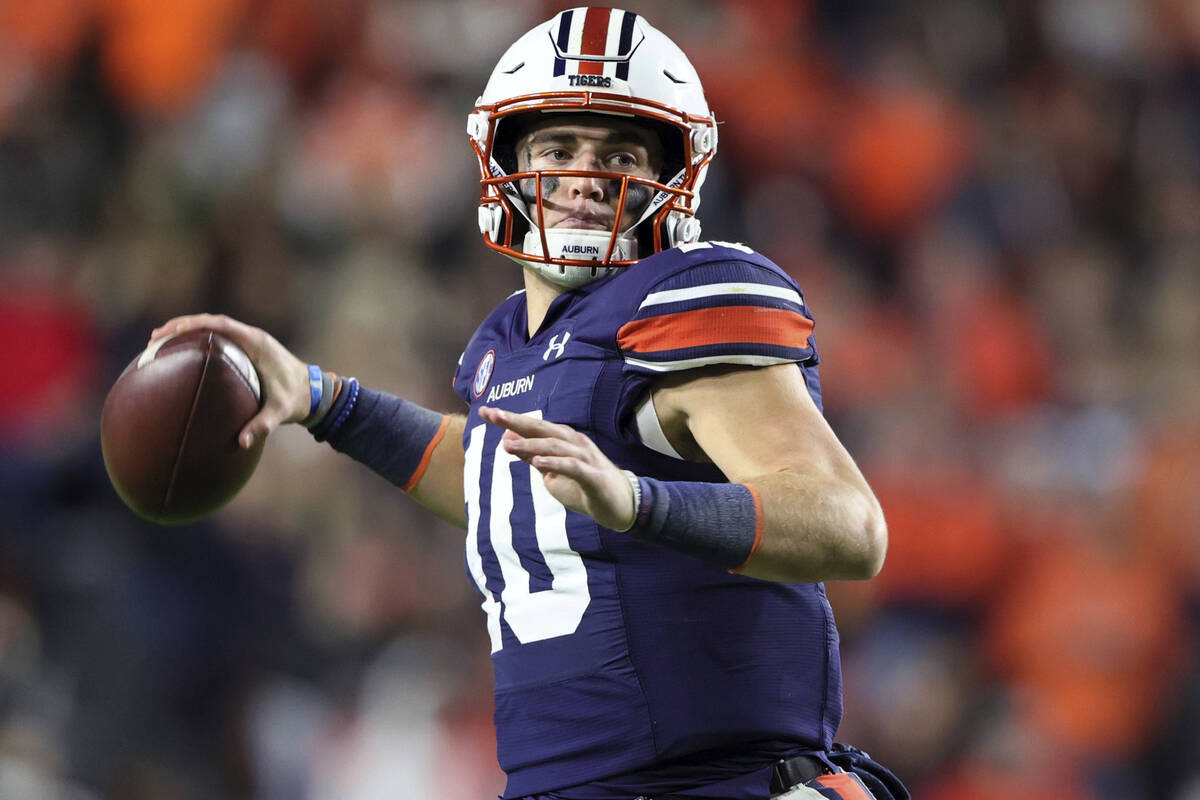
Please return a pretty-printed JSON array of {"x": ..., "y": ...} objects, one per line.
[
  {"x": 685, "y": 231},
  {"x": 490, "y": 217}
]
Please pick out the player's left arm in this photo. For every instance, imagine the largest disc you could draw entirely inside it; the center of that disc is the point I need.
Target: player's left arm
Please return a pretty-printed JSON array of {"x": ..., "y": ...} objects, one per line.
[
  {"x": 797, "y": 508},
  {"x": 819, "y": 519}
]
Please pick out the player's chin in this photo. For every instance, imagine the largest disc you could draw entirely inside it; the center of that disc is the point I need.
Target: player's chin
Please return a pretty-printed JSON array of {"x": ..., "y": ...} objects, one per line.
[{"x": 572, "y": 224}]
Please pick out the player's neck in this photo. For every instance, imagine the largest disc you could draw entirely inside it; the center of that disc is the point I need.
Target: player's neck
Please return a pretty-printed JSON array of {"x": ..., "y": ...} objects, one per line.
[{"x": 539, "y": 294}]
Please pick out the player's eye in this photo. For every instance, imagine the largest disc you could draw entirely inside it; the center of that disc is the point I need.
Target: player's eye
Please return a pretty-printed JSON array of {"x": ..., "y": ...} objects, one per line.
[{"x": 623, "y": 160}]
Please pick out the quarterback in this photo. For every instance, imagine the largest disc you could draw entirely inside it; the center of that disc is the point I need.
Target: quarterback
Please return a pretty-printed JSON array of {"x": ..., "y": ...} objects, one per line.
[{"x": 650, "y": 493}]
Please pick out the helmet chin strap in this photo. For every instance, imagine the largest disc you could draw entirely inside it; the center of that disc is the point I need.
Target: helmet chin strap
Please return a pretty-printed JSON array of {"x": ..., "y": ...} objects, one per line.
[{"x": 577, "y": 245}]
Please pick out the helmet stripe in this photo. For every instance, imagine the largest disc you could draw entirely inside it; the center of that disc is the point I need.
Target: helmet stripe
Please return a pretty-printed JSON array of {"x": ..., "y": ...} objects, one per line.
[
  {"x": 625, "y": 42},
  {"x": 564, "y": 38},
  {"x": 595, "y": 40},
  {"x": 611, "y": 41}
]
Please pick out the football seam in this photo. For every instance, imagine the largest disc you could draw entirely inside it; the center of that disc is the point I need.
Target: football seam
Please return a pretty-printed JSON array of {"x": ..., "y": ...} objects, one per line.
[
  {"x": 238, "y": 372},
  {"x": 187, "y": 429}
]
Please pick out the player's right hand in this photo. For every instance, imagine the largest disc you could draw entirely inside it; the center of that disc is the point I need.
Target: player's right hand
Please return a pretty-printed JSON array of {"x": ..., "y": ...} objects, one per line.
[
  {"x": 576, "y": 472},
  {"x": 283, "y": 377}
]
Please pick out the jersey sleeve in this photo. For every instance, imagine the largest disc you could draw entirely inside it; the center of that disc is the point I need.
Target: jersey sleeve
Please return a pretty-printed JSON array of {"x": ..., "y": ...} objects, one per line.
[{"x": 727, "y": 312}]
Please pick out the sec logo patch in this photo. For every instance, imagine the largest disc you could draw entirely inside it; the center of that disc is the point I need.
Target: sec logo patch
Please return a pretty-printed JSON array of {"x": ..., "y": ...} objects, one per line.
[{"x": 483, "y": 373}]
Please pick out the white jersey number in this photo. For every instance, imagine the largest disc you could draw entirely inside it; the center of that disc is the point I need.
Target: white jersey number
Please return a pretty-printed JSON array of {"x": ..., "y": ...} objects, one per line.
[{"x": 531, "y": 616}]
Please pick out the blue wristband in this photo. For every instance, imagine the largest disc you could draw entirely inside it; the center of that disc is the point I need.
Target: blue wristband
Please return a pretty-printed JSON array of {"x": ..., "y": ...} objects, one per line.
[
  {"x": 315, "y": 381},
  {"x": 351, "y": 389},
  {"x": 719, "y": 523}
]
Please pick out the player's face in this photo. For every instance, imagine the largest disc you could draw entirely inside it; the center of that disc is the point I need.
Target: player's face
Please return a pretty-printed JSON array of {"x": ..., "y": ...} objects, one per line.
[{"x": 584, "y": 144}]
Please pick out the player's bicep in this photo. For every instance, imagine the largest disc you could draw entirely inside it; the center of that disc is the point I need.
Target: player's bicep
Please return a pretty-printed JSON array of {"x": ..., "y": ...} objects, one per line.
[
  {"x": 748, "y": 421},
  {"x": 715, "y": 319}
]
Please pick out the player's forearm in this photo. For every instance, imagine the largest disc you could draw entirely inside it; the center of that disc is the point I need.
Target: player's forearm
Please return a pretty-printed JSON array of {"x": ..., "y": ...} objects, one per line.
[
  {"x": 781, "y": 526},
  {"x": 440, "y": 488},
  {"x": 817, "y": 529},
  {"x": 416, "y": 449}
]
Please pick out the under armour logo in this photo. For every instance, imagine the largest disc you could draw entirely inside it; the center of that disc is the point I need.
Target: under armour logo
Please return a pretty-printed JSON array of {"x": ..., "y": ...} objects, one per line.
[{"x": 556, "y": 346}]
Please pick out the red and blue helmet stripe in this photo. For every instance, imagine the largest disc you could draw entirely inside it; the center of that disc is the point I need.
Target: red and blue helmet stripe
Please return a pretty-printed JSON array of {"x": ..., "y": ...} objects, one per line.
[{"x": 596, "y": 43}]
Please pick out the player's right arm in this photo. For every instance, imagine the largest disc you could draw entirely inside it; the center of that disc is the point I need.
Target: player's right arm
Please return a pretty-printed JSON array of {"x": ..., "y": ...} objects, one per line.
[
  {"x": 440, "y": 488},
  {"x": 436, "y": 480}
]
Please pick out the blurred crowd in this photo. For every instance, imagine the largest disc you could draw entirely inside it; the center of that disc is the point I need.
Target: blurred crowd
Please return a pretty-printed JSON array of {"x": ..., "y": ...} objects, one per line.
[{"x": 993, "y": 207}]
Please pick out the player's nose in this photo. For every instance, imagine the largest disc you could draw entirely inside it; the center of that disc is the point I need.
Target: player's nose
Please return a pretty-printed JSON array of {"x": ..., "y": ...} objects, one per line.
[{"x": 588, "y": 187}]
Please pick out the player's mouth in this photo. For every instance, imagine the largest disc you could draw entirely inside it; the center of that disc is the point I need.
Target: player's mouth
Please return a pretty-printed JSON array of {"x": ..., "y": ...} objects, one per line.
[{"x": 589, "y": 222}]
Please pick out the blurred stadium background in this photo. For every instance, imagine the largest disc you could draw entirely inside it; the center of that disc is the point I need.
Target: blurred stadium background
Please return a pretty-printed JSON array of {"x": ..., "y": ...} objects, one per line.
[{"x": 993, "y": 207}]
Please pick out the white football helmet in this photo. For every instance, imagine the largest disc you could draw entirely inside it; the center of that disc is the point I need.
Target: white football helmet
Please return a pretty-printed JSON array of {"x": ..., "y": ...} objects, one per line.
[{"x": 601, "y": 61}]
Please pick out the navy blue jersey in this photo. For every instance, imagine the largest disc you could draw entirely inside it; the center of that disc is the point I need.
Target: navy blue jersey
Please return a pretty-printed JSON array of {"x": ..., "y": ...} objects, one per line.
[{"x": 612, "y": 655}]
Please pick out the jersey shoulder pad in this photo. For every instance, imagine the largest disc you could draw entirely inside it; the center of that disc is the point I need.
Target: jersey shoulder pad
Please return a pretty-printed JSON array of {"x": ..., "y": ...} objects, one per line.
[
  {"x": 474, "y": 365},
  {"x": 716, "y": 303}
]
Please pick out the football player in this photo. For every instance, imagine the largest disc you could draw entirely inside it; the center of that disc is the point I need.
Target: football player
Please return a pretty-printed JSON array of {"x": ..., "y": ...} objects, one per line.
[{"x": 651, "y": 495}]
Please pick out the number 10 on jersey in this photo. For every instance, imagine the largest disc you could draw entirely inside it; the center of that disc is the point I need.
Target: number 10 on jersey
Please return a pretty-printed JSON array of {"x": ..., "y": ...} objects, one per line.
[{"x": 531, "y": 615}]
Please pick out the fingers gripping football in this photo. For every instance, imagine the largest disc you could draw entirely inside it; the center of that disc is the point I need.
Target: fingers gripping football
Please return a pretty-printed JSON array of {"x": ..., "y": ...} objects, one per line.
[
  {"x": 283, "y": 377},
  {"x": 574, "y": 470}
]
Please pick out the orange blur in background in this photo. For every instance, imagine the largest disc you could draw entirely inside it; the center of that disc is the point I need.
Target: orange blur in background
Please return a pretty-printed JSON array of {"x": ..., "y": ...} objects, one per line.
[{"x": 993, "y": 209}]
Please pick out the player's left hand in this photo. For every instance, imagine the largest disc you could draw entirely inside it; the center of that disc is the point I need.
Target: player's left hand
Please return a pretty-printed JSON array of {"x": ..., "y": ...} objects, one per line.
[{"x": 574, "y": 470}]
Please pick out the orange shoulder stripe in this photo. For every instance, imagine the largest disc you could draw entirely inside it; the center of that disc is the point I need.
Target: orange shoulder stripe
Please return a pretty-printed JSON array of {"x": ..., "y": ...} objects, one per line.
[{"x": 720, "y": 325}]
